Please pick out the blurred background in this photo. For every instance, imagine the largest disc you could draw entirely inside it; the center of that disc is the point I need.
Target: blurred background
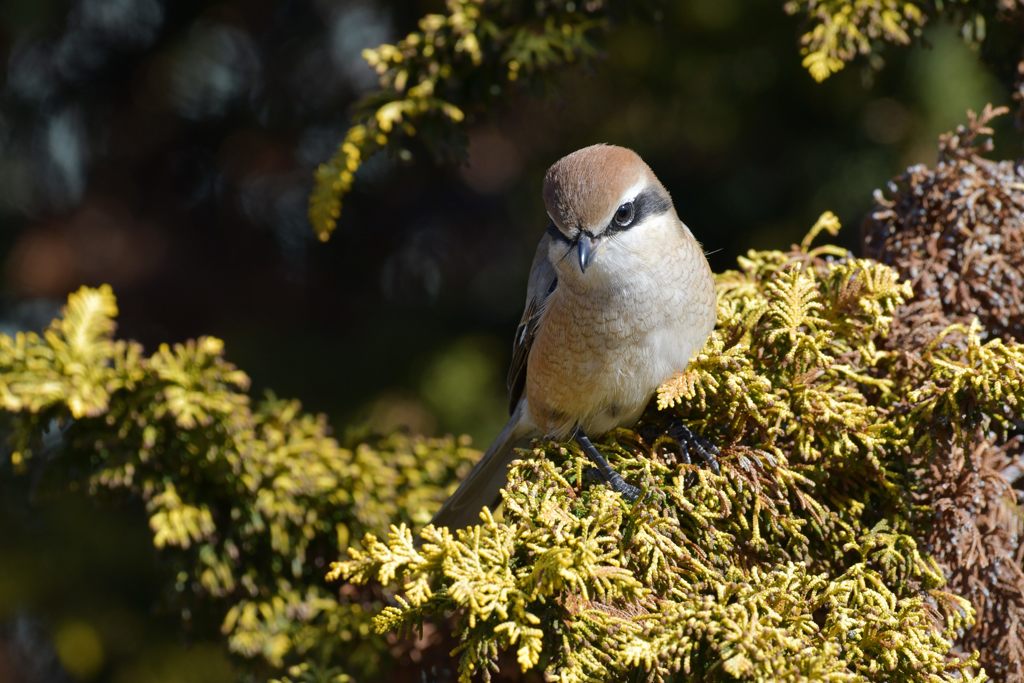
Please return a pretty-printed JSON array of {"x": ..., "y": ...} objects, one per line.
[{"x": 167, "y": 148}]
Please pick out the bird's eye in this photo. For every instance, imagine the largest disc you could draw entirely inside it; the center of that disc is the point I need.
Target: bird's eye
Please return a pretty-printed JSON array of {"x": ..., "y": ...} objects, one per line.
[{"x": 624, "y": 215}]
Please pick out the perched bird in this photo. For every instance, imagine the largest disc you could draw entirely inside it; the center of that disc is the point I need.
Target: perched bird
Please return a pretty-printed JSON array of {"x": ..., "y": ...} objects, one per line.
[{"x": 620, "y": 297}]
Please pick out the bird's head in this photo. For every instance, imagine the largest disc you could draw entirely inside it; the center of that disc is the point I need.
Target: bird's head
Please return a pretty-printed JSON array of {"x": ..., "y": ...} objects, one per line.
[{"x": 608, "y": 213}]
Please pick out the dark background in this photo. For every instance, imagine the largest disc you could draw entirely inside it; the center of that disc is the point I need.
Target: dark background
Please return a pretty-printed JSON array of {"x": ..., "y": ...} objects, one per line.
[{"x": 167, "y": 148}]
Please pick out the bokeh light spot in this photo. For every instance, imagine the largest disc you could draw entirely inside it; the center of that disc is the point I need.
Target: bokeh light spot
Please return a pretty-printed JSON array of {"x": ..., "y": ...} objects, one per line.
[{"x": 79, "y": 649}]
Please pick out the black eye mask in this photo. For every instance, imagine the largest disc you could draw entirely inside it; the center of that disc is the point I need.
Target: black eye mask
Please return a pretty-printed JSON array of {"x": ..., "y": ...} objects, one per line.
[{"x": 650, "y": 202}]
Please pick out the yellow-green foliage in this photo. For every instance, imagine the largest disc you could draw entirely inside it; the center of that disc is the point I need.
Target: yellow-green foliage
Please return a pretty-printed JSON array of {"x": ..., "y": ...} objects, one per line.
[
  {"x": 248, "y": 500},
  {"x": 842, "y": 30},
  {"x": 798, "y": 562},
  {"x": 454, "y": 61}
]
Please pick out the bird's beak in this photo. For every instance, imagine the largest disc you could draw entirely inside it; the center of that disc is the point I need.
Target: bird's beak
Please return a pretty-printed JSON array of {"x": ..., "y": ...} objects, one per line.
[{"x": 585, "y": 250}]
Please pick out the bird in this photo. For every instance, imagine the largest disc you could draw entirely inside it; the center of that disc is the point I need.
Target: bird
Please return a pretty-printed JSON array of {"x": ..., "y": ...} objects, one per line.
[{"x": 620, "y": 297}]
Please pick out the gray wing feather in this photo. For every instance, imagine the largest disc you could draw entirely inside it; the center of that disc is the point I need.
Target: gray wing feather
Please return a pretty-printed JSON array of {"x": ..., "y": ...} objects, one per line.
[{"x": 542, "y": 282}]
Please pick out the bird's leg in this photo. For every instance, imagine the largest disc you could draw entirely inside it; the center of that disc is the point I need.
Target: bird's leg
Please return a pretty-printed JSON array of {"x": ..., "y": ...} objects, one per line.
[
  {"x": 613, "y": 478},
  {"x": 692, "y": 444}
]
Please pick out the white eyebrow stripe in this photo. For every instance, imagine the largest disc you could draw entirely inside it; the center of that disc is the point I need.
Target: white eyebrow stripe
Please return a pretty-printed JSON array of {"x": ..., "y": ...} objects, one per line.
[{"x": 633, "y": 192}]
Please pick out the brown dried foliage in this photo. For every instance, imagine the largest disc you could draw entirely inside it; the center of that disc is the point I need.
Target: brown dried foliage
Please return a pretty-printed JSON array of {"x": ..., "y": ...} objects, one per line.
[{"x": 957, "y": 232}]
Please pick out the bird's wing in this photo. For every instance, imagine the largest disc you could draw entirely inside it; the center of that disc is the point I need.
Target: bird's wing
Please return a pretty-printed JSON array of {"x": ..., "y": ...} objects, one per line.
[{"x": 543, "y": 281}]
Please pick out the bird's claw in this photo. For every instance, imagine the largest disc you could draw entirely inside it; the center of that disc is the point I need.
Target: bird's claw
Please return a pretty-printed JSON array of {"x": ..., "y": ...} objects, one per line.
[
  {"x": 605, "y": 471},
  {"x": 593, "y": 475},
  {"x": 690, "y": 442},
  {"x": 623, "y": 487}
]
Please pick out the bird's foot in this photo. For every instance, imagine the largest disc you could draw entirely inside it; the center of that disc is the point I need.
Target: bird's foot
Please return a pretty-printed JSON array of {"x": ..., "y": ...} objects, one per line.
[
  {"x": 605, "y": 471},
  {"x": 692, "y": 444},
  {"x": 594, "y": 475}
]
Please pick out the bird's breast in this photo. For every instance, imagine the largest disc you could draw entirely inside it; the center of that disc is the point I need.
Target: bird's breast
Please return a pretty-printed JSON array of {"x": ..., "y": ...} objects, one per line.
[{"x": 598, "y": 357}]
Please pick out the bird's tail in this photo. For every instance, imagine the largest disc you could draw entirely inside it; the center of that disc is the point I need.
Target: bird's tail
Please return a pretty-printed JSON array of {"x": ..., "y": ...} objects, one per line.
[{"x": 480, "y": 488}]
